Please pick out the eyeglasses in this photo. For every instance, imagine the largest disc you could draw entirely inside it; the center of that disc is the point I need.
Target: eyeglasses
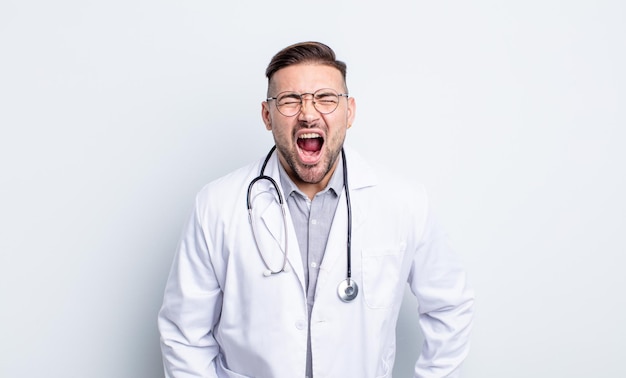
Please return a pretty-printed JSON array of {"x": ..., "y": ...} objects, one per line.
[{"x": 324, "y": 100}]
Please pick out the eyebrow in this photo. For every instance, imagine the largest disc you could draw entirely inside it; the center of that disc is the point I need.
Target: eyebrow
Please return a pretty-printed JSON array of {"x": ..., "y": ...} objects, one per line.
[{"x": 289, "y": 94}]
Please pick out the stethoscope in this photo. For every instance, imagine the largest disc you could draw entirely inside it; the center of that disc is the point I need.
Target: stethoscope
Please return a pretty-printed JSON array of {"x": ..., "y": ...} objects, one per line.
[{"x": 347, "y": 289}]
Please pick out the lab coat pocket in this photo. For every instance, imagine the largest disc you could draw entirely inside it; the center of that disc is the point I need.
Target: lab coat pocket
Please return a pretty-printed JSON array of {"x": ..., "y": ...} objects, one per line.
[{"x": 381, "y": 273}]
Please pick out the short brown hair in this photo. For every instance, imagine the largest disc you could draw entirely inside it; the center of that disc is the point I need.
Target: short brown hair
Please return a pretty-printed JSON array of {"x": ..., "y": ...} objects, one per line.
[{"x": 305, "y": 52}]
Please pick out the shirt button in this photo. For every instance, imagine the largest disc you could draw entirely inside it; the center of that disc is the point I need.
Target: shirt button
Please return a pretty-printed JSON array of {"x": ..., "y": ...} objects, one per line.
[
  {"x": 314, "y": 221},
  {"x": 313, "y": 265},
  {"x": 300, "y": 324}
]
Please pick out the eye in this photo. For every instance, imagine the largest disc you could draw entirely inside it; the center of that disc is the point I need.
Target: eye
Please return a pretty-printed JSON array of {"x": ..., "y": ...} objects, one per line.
[
  {"x": 289, "y": 102},
  {"x": 326, "y": 98}
]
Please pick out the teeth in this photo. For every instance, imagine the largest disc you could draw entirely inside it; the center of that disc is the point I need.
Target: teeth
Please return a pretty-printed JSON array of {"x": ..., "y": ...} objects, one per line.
[{"x": 309, "y": 136}]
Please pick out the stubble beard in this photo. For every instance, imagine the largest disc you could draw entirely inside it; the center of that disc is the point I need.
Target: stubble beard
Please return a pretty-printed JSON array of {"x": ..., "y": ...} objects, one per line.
[{"x": 308, "y": 173}]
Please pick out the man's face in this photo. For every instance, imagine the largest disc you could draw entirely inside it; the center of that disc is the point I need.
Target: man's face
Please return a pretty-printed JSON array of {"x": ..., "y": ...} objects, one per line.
[{"x": 309, "y": 142}]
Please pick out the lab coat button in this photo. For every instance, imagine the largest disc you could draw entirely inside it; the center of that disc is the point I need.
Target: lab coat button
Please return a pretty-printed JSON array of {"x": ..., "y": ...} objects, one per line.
[{"x": 300, "y": 324}]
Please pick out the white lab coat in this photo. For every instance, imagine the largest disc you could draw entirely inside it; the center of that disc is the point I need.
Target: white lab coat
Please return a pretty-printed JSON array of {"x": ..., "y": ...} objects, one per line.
[{"x": 221, "y": 317}]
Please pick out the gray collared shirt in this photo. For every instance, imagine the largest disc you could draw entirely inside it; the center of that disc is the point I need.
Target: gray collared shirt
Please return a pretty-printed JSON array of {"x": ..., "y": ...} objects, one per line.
[{"x": 312, "y": 220}]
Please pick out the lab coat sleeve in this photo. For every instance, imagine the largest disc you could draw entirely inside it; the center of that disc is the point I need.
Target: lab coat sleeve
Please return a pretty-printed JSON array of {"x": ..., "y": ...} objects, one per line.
[
  {"x": 445, "y": 303},
  {"x": 191, "y": 307}
]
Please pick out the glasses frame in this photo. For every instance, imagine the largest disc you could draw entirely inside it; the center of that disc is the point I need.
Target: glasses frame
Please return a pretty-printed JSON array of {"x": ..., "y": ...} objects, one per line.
[{"x": 301, "y": 95}]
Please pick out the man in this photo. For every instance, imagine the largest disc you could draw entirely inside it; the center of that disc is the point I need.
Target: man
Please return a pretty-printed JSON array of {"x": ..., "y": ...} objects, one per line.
[{"x": 311, "y": 288}]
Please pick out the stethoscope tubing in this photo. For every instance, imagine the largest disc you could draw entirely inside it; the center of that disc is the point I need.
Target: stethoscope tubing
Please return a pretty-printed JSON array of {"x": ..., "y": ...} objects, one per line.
[
  {"x": 347, "y": 289},
  {"x": 349, "y": 206}
]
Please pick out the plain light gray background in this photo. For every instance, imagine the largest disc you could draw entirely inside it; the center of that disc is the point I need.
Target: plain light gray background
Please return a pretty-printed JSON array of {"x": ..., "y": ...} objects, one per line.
[{"x": 114, "y": 113}]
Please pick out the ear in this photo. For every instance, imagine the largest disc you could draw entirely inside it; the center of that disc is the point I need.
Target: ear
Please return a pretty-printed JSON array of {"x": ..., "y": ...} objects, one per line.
[
  {"x": 351, "y": 111},
  {"x": 265, "y": 114}
]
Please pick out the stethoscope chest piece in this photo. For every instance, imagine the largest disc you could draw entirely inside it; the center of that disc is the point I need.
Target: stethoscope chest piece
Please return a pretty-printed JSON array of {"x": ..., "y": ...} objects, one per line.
[{"x": 347, "y": 290}]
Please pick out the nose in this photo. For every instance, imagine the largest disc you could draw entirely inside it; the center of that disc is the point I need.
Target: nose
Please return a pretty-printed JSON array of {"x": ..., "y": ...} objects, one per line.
[{"x": 307, "y": 109}]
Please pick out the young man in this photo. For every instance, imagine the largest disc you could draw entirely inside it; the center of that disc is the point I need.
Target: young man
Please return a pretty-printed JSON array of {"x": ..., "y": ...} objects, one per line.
[{"x": 295, "y": 266}]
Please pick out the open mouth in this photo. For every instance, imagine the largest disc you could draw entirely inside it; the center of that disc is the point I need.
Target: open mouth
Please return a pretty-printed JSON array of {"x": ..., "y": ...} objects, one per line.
[{"x": 310, "y": 146}]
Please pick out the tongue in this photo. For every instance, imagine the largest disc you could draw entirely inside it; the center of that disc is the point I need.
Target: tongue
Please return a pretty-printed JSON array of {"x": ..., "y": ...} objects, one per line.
[{"x": 310, "y": 144}]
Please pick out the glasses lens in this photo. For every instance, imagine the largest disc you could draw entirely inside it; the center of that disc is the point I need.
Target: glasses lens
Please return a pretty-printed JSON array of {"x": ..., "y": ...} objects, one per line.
[
  {"x": 326, "y": 100},
  {"x": 288, "y": 103}
]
